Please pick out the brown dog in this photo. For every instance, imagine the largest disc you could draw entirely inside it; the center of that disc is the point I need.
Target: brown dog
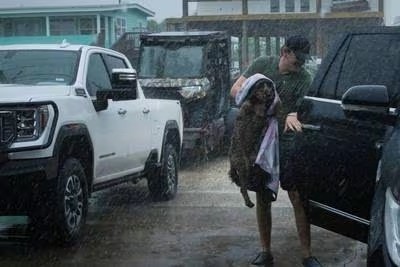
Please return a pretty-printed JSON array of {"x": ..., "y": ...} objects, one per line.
[{"x": 250, "y": 125}]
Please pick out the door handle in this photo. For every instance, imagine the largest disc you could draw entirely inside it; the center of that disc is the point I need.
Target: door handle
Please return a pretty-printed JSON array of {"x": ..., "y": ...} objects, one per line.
[
  {"x": 122, "y": 111},
  {"x": 311, "y": 127},
  {"x": 146, "y": 110}
]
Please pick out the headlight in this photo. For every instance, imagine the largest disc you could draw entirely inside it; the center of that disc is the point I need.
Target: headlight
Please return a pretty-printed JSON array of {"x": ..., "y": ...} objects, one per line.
[
  {"x": 31, "y": 122},
  {"x": 196, "y": 91}
]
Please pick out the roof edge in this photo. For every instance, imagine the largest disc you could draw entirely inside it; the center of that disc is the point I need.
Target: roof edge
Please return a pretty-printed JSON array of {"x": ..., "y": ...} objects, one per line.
[{"x": 63, "y": 9}]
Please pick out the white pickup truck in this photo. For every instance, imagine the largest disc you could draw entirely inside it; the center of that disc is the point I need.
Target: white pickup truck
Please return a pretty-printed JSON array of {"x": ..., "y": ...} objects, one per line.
[{"x": 73, "y": 120}]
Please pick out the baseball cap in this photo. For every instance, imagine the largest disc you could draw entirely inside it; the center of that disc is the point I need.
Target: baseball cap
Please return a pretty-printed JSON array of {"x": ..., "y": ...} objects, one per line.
[{"x": 300, "y": 46}]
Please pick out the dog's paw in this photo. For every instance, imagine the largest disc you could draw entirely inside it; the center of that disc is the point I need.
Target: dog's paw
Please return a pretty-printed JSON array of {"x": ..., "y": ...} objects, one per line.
[{"x": 249, "y": 204}]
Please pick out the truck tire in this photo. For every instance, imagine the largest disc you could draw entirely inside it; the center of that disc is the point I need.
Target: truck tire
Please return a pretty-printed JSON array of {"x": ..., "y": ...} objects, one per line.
[
  {"x": 164, "y": 184},
  {"x": 71, "y": 202}
]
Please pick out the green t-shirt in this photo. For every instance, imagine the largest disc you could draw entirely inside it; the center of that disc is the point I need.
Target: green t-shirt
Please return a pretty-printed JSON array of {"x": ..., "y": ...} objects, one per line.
[{"x": 291, "y": 87}]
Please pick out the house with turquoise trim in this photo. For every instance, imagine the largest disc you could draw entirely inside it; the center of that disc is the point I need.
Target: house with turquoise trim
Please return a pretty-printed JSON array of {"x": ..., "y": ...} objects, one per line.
[{"x": 96, "y": 22}]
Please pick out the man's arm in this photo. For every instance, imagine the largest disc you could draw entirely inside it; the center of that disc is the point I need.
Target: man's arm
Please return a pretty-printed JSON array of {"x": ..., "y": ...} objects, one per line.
[
  {"x": 256, "y": 67},
  {"x": 292, "y": 122},
  {"x": 237, "y": 85}
]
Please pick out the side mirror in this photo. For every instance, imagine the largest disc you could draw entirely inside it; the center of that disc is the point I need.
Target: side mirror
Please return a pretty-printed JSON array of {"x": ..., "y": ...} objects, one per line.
[
  {"x": 368, "y": 103},
  {"x": 366, "y": 98},
  {"x": 124, "y": 79},
  {"x": 101, "y": 102}
]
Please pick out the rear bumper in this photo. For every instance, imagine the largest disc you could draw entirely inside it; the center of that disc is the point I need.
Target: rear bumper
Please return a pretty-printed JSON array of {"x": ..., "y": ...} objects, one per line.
[{"x": 192, "y": 137}]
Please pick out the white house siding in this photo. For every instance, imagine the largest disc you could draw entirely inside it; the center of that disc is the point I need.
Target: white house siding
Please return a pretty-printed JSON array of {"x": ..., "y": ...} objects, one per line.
[
  {"x": 254, "y": 7},
  {"x": 392, "y": 12},
  {"x": 264, "y": 6},
  {"x": 219, "y": 8}
]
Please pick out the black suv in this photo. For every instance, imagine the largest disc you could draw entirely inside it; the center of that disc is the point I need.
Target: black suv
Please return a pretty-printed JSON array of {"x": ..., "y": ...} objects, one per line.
[{"x": 350, "y": 145}]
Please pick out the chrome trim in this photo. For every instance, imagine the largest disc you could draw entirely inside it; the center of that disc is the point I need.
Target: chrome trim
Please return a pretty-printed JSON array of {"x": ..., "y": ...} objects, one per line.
[
  {"x": 339, "y": 212},
  {"x": 375, "y": 109},
  {"x": 311, "y": 127},
  {"x": 327, "y": 100},
  {"x": 392, "y": 111}
]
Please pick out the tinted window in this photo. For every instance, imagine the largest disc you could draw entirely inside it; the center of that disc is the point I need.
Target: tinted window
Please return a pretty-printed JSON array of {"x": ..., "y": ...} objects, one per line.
[
  {"x": 114, "y": 63},
  {"x": 371, "y": 59},
  {"x": 97, "y": 77},
  {"x": 329, "y": 82}
]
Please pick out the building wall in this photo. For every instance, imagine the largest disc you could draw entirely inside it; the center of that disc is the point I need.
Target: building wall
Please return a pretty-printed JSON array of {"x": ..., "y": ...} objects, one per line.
[
  {"x": 254, "y": 7},
  {"x": 110, "y": 31},
  {"x": 53, "y": 3},
  {"x": 392, "y": 12},
  {"x": 72, "y": 39},
  {"x": 264, "y": 6}
]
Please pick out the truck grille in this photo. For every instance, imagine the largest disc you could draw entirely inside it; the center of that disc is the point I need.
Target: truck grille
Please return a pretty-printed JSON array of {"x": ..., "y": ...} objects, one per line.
[{"x": 7, "y": 127}]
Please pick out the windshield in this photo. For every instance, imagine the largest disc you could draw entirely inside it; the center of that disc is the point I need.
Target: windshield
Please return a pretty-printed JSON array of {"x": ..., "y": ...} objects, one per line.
[
  {"x": 37, "y": 67},
  {"x": 165, "y": 62}
]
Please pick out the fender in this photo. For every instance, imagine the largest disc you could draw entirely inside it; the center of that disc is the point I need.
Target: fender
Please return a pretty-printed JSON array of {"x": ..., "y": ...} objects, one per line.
[
  {"x": 171, "y": 125},
  {"x": 68, "y": 131}
]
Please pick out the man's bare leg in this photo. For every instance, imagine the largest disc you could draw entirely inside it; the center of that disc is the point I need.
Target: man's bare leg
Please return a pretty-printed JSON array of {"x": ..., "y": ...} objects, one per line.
[
  {"x": 264, "y": 222},
  {"x": 302, "y": 224},
  {"x": 263, "y": 210}
]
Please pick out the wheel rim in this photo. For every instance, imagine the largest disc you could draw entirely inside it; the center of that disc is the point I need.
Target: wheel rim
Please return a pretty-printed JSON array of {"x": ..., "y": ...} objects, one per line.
[
  {"x": 171, "y": 173},
  {"x": 73, "y": 203}
]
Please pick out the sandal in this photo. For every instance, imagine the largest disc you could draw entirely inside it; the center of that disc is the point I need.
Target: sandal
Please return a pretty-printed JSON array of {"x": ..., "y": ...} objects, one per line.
[
  {"x": 263, "y": 258},
  {"x": 311, "y": 262}
]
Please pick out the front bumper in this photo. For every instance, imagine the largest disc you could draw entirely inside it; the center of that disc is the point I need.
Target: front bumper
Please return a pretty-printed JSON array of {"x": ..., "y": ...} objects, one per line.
[{"x": 23, "y": 181}]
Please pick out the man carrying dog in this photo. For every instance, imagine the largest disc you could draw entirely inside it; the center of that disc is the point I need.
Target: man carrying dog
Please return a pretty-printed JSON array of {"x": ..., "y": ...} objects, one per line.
[{"x": 291, "y": 81}]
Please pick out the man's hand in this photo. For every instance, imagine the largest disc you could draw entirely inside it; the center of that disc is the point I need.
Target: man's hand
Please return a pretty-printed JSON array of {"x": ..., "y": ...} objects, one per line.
[{"x": 292, "y": 123}]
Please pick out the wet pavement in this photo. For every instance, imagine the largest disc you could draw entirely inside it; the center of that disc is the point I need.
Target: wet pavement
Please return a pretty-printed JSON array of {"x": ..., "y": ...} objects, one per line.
[{"x": 206, "y": 224}]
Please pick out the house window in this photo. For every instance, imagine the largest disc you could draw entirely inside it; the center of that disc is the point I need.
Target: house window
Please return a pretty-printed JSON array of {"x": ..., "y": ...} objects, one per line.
[
  {"x": 120, "y": 27},
  {"x": 73, "y": 25},
  {"x": 289, "y": 6},
  {"x": 63, "y": 26},
  {"x": 23, "y": 27},
  {"x": 274, "y": 6},
  {"x": 305, "y": 6},
  {"x": 87, "y": 25}
]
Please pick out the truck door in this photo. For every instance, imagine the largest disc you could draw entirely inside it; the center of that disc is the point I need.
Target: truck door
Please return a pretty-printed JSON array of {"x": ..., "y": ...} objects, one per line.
[
  {"x": 341, "y": 152},
  {"x": 136, "y": 125}
]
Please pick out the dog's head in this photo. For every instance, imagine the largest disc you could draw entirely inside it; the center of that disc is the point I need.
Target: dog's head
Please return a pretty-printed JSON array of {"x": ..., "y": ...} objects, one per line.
[{"x": 261, "y": 91}]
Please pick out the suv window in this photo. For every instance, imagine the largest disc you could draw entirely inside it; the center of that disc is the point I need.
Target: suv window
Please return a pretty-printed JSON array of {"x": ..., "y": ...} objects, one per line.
[
  {"x": 328, "y": 86},
  {"x": 356, "y": 64},
  {"x": 360, "y": 66},
  {"x": 97, "y": 76}
]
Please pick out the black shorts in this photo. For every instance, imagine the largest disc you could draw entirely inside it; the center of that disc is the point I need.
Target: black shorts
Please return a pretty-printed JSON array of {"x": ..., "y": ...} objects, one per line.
[{"x": 289, "y": 158}]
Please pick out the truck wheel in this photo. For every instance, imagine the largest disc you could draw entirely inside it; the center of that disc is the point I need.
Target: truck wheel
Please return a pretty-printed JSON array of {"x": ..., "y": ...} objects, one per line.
[
  {"x": 71, "y": 202},
  {"x": 163, "y": 186}
]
